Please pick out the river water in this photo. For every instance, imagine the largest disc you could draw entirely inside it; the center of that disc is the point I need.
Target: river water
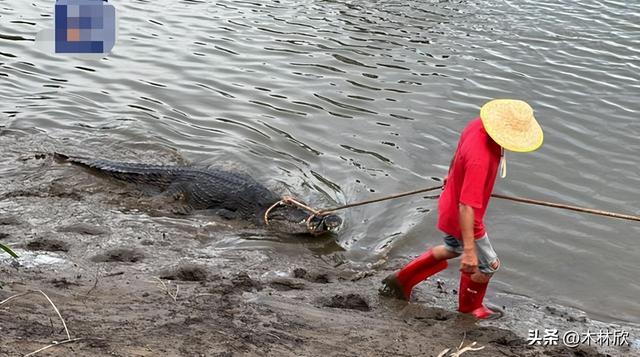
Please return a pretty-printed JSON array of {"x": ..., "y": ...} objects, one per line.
[{"x": 338, "y": 101}]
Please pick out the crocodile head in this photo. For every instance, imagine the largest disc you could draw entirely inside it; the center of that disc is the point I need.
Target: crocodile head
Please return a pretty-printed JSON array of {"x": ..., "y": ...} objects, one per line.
[{"x": 295, "y": 220}]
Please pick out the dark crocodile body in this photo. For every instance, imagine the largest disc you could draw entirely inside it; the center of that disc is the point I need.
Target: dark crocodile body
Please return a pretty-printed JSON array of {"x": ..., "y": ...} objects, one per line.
[
  {"x": 227, "y": 194},
  {"x": 202, "y": 188}
]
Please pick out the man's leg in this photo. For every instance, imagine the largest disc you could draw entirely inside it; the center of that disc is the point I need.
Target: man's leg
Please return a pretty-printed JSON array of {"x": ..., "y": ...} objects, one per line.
[
  {"x": 474, "y": 286},
  {"x": 401, "y": 283}
]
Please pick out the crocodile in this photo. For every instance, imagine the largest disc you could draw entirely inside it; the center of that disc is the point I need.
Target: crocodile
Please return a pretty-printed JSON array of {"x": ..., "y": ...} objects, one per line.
[{"x": 227, "y": 194}]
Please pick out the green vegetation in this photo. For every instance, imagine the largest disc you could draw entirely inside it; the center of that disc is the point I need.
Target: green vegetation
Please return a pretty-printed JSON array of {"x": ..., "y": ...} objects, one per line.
[{"x": 8, "y": 250}]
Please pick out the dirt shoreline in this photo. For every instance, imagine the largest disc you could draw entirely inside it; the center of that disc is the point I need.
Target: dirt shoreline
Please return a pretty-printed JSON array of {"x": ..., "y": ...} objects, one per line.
[
  {"x": 232, "y": 310},
  {"x": 131, "y": 283}
]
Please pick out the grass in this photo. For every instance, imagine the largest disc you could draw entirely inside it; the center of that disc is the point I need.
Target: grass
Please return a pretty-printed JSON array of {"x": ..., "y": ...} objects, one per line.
[
  {"x": 64, "y": 324},
  {"x": 8, "y": 250}
]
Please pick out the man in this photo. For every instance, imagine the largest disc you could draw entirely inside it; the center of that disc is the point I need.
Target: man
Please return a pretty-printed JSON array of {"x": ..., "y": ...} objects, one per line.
[{"x": 503, "y": 124}]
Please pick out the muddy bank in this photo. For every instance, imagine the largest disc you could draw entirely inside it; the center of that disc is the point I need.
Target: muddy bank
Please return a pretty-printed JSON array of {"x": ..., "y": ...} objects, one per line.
[
  {"x": 252, "y": 304},
  {"x": 132, "y": 278}
]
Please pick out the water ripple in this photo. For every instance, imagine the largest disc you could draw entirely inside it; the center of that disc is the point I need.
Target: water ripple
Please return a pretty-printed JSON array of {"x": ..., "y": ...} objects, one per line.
[{"x": 337, "y": 100}]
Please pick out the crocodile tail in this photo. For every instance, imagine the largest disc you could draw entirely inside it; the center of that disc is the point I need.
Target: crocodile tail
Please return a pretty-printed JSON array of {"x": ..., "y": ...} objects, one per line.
[{"x": 154, "y": 175}]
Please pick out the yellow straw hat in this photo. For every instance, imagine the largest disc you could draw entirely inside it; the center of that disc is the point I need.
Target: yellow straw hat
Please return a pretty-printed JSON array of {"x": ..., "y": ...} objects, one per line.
[{"x": 511, "y": 124}]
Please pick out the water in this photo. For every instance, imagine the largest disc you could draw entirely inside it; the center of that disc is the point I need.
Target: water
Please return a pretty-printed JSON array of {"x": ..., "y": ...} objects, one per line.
[{"x": 339, "y": 101}]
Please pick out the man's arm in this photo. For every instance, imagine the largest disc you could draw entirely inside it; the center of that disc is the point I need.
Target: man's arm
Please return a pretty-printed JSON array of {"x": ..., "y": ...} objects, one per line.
[{"x": 469, "y": 262}]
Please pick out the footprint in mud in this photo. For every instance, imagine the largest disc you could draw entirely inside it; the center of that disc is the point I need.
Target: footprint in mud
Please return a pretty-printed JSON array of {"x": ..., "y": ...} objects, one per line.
[
  {"x": 63, "y": 283},
  {"x": 432, "y": 313},
  {"x": 243, "y": 282},
  {"x": 348, "y": 301},
  {"x": 283, "y": 284},
  {"x": 187, "y": 272},
  {"x": 121, "y": 255},
  {"x": 566, "y": 313},
  {"x": 320, "y": 278},
  {"x": 48, "y": 245},
  {"x": 236, "y": 284},
  {"x": 84, "y": 228}
]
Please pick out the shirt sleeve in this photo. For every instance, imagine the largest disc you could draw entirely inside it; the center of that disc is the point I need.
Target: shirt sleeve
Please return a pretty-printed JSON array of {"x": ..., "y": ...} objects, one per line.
[{"x": 474, "y": 184}]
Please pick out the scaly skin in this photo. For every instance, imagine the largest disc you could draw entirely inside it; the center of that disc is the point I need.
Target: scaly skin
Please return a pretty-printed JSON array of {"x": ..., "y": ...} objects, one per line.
[{"x": 204, "y": 188}]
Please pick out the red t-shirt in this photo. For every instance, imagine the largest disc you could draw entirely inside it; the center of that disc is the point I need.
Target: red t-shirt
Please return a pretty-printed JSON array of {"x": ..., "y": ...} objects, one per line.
[{"x": 470, "y": 181}]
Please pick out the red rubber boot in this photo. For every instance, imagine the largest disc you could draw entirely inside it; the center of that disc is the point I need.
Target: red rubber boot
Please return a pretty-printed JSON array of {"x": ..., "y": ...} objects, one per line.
[
  {"x": 470, "y": 298},
  {"x": 401, "y": 283}
]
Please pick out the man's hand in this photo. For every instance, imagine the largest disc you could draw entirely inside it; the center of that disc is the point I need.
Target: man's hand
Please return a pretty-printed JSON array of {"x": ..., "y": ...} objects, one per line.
[{"x": 469, "y": 261}]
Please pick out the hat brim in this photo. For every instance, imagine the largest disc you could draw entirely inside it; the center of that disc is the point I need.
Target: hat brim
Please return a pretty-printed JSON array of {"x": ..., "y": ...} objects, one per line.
[
  {"x": 516, "y": 141},
  {"x": 509, "y": 138}
]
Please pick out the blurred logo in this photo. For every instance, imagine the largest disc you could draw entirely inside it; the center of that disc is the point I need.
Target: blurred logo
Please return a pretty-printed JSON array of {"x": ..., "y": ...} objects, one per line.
[{"x": 81, "y": 27}]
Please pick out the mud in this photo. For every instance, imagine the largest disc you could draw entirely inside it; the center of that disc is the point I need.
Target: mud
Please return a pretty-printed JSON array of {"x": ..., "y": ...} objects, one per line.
[
  {"x": 235, "y": 314},
  {"x": 348, "y": 301},
  {"x": 128, "y": 255},
  {"x": 84, "y": 228},
  {"x": 301, "y": 273},
  {"x": 187, "y": 272},
  {"x": 130, "y": 282},
  {"x": 48, "y": 245}
]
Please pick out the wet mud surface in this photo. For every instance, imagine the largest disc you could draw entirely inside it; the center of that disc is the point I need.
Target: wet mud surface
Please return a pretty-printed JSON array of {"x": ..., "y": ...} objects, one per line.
[{"x": 132, "y": 282}]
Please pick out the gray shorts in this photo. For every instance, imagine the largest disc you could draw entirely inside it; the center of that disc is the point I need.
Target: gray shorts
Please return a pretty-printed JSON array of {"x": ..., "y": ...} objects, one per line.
[{"x": 486, "y": 255}]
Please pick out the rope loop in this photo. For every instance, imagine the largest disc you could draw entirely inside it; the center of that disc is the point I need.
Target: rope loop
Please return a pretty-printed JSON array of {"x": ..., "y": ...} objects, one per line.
[{"x": 288, "y": 200}]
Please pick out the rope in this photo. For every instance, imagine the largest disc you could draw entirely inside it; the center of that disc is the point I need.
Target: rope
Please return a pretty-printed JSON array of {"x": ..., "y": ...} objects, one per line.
[
  {"x": 290, "y": 200},
  {"x": 385, "y": 198},
  {"x": 504, "y": 197},
  {"x": 324, "y": 212},
  {"x": 319, "y": 213},
  {"x": 572, "y": 208}
]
